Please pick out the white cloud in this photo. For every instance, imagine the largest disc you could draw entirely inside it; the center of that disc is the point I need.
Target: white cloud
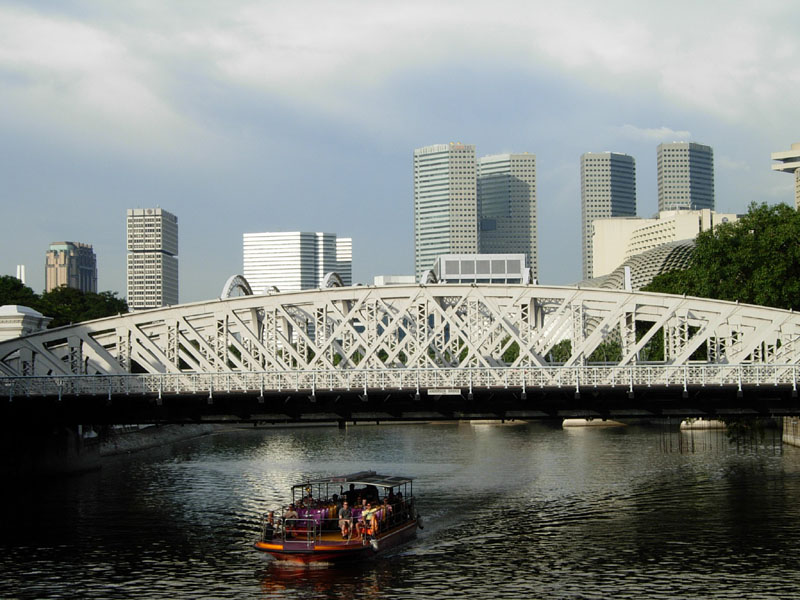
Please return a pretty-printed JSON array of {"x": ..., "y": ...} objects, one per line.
[
  {"x": 658, "y": 134},
  {"x": 73, "y": 79},
  {"x": 332, "y": 57},
  {"x": 726, "y": 163}
]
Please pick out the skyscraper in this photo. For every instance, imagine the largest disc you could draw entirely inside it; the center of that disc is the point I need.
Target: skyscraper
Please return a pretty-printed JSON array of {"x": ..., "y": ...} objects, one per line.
[
  {"x": 685, "y": 176},
  {"x": 70, "y": 264},
  {"x": 789, "y": 162},
  {"x": 507, "y": 206},
  {"x": 152, "y": 258},
  {"x": 295, "y": 260},
  {"x": 445, "y": 203},
  {"x": 608, "y": 189}
]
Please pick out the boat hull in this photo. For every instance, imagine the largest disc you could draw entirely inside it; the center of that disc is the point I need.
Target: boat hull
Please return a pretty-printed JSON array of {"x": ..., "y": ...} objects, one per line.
[{"x": 301, "y": 551}]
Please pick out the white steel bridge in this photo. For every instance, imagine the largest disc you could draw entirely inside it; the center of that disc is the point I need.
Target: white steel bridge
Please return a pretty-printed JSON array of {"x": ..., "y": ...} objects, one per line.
[{"x": 414, "y": 352}]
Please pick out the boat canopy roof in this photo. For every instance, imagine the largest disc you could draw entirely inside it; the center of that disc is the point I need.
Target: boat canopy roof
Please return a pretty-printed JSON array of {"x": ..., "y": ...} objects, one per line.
[{"x": 360, "y": 478}]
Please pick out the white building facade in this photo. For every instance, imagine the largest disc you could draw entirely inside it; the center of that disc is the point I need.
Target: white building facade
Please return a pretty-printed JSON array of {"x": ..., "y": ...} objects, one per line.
[
  {"x": 506, "y": 186},
  {"x": 685, "y": 176},
  {"x": 295, "y": 260},
  {"x": 608, "y": 189},
  {"x": 617, "y": 240},
  {"x": 445, "y": 203},
  {"x": 152, "y": 265}
]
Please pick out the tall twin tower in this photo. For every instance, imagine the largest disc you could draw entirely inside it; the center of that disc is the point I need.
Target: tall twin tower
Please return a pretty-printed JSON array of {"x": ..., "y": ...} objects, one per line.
[
  {"x": 464, "y": 205},
  {"x": 467, "y": 206},
  {"x": 608, "y": 186}
]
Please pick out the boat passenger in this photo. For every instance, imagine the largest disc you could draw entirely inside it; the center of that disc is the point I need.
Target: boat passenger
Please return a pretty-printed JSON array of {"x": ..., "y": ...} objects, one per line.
[
  {"x": 269, "y": 526},
  {"x": 346, "y": 520},
  {"x": 350, "y": 495},
  {"x": 371, "y": 492},
  {"x": 289, "y": 522},
  {"x": 370, "y": 523},
  {"x": 387, "y": 509}
]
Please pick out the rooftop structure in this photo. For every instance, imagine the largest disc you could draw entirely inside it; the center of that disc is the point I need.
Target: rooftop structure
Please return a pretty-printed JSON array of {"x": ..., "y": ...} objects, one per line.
[
  {"x": 16, "y": 321},
  {"x": 637, "y": 271},
  {"x": 482, "y": 268},
  {"x": 789, "y": 162}
]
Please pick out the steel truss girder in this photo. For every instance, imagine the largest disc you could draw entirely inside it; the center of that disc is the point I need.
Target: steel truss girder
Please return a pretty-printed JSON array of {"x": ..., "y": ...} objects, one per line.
[{"x": 408, "y": 327}]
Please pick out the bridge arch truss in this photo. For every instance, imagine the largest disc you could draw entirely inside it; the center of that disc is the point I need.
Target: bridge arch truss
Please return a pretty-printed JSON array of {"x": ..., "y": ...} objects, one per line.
[{"x": 413, "y": 328}]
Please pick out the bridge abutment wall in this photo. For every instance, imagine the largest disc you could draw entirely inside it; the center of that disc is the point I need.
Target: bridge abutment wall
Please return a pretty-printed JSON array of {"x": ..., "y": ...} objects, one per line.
[{"x": 61, "y": 449}]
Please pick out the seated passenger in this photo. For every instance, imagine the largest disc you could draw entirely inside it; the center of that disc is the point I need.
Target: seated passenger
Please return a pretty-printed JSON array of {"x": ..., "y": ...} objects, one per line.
[
  {"x": 369, "y": 525},
  {"x": 289, "y": 522},
  {"x": 346, "y": 520},
  {"x": 270, "y": 526}
]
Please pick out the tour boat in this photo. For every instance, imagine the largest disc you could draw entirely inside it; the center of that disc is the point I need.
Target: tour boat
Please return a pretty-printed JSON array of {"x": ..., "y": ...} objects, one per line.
[{"x": 383, "y": 515}]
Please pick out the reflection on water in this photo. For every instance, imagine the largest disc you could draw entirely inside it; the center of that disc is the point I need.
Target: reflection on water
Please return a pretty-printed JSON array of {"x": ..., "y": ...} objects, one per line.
[{"x": 510, "y": 511}]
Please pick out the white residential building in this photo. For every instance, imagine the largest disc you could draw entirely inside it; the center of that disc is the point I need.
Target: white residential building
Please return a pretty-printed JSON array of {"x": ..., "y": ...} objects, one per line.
[
  {"x": 685, "y": 176},
  {"x": 445, "y": 203},
  {"x": 295, "y": 260},
  {"x": 608, "y": 189},
  {"x": 507, "y": 206},
  {"x": 152, "y": 242}
]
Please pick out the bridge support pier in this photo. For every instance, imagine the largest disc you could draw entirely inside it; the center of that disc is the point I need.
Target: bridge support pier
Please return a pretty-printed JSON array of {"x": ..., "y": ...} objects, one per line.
[{"x": 58, "y": 449}]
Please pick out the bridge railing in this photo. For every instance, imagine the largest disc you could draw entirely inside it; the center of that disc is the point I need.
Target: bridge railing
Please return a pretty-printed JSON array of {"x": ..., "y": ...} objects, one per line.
[{"x": 366, "y": 380}]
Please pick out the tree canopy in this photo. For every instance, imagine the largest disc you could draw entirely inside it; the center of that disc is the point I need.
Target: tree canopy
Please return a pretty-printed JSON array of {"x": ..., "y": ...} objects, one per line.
[
  {"x": 65, "y": 305},
  {"x": 755, "y": 260}
]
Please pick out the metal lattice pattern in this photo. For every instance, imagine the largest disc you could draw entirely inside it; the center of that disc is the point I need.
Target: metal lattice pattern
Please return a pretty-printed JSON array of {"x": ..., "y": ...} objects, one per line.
[{"x": 416, "y": 329}]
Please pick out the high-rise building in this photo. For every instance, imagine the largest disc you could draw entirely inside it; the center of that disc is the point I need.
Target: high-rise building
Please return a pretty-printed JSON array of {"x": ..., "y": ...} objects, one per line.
[
  {"x": 789, "y": 162},
  {"x": 295, "y": 260},
  {"x": 507, "y": 206},
  {"x": 70, "y": 264},
  {"x": 685, "y": 176},
  {"x": 445, "y": 203},
  {"x": 608, "y": 189},
  {"x": 152, "y": 258}
]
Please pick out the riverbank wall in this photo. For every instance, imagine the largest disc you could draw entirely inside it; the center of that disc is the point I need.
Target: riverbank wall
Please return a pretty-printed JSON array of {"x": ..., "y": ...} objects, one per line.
[
  {"x": 124, "y": 442},
  {"x": 791, "y": 431}
]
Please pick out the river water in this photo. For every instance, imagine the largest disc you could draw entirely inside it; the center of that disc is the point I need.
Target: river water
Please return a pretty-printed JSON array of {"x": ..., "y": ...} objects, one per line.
[{"x": 511, "y": 511}]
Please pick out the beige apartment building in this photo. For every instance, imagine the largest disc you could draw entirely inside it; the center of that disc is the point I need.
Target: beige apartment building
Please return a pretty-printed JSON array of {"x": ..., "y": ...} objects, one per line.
[{"x": 70, "y": 264}]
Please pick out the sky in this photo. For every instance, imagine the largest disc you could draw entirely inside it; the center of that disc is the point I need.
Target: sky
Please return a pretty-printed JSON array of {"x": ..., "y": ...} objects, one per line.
[{"x": 282, "y": 116}]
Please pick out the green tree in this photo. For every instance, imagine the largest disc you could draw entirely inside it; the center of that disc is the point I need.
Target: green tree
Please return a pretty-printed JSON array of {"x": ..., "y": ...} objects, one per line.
[
  {"x": 755, "y": 260},
  {"x": 67, "y": 305},
  {"x": 13, "y": 291}
]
